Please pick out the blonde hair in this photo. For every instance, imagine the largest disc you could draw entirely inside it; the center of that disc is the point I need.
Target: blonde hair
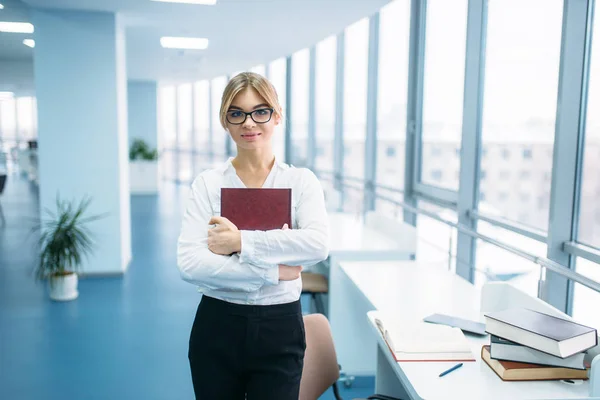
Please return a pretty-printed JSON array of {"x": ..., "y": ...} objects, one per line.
[{"x": 243, "y": 81}]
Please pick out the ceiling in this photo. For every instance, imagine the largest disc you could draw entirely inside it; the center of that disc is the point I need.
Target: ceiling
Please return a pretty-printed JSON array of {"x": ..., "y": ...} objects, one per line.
[{"x": 241, "y": 33}]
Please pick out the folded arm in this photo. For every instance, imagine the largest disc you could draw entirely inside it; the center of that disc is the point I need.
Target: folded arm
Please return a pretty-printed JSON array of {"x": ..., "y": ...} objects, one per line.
[
  {"x": 199, "y": 266},
  {"x": 306, "y": 245}
]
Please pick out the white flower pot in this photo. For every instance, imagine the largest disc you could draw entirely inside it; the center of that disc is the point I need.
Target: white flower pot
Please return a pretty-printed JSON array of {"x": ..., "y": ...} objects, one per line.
[
  {"x": 63, "y": 288},
  {"x": 143, "y": 177}
]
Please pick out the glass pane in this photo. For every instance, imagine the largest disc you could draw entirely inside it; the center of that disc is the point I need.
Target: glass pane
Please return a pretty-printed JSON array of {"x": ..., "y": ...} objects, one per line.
[
  {"x": 300, "y": 76},
  {"x": 393, "y": 80},
  {"x": 184, "y": 116},
  {"x": 325, "y": 77},
  {"x": 436, "y": 241},
  {"x": 167, "y": 165},
  {"x": 219, "y": 134},
  {"x": 185, "y": 166},
  {"x": 8, "y": 121},
  {"x": 585, "y": 300},
  {"x": 356, "y": 49},
  {"x": 25, "y": 117},
  {"x": 259, "y": 69},
  {"x": 589, "y": 213},
  {"x": 523, "y": 57},
  {"x": 201, "y": 117},
  {"x": 277, "y": 76},
  {"x": 166, "y": 113},
  {"x": 443, "y": 91},
  {"x": 496, "y": 264}
]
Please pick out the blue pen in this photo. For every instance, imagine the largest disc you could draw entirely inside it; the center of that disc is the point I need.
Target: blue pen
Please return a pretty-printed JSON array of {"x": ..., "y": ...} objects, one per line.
[{"x": 457, "y": 366}]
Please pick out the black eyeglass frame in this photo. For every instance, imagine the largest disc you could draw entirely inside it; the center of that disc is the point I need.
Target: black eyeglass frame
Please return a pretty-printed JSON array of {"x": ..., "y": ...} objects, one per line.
[{"x": 246, "y": 114}]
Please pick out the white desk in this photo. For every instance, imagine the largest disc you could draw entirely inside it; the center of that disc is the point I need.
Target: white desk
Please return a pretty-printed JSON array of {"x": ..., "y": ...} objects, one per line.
[
  {"x": 411, "y": 291},
  {"x": 354, "y": 240}
]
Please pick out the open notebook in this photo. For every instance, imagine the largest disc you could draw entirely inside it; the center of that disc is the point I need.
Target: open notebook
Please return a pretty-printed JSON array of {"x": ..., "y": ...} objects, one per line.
[{"x": 421, "y": 341}]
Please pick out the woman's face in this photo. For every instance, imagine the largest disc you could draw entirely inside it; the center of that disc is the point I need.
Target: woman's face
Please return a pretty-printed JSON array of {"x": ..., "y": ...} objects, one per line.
[{"x": 251, "y": 134}]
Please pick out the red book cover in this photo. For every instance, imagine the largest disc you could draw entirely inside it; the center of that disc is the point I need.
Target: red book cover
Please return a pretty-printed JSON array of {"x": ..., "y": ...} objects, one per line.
[{"x": 257, "y": 209}]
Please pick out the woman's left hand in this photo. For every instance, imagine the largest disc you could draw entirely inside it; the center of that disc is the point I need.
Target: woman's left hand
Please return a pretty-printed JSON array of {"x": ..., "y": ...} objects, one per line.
[{"x": 225, "y": 238}]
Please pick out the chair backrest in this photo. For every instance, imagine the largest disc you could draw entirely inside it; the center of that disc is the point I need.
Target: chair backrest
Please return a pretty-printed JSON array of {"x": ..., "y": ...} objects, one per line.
[{"x": 320, "y": 361}]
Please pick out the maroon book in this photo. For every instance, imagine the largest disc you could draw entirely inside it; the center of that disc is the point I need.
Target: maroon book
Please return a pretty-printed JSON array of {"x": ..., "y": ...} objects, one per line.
[{"x": 257, "y": 209}]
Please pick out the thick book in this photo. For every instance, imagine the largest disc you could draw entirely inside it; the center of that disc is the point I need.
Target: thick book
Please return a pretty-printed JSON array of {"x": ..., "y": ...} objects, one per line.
[
  {"x": 543, "y": 332},
  {"x": 502, "y": 349},
  {"x": 257, "y": 209},
  {"x": 517, "y": 371},
  {"x": 420, "y": 341}
]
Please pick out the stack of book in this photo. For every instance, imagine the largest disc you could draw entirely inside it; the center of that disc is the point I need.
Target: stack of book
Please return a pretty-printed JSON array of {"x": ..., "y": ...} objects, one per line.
[{"x": 529, "y": 345}]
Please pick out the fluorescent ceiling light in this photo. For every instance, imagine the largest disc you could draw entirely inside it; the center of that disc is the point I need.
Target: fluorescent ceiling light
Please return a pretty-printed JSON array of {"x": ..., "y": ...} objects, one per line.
[
  {"x": 1, "y": 7},
  {"x": 16, "y": 27},
  {"x": 29, "y": 42},
  {"x": 202, "y": 2},
  {"x": 183, "y": 43}
]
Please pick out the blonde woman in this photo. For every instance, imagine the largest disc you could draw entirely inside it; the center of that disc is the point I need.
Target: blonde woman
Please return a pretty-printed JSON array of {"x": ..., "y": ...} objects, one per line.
[{"x": 247, "y": 340}]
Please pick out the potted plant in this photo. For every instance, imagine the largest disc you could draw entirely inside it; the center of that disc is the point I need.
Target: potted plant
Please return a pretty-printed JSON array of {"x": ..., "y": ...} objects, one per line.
[
  {"x": 143, "y": 168},
  {"x": 64, "y": 242}
]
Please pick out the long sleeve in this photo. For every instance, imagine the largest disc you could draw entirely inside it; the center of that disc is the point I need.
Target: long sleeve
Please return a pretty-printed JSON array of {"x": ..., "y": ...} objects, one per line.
[
  {"x": 199, "y": 266},
  {"x": 306, "y": 245}
]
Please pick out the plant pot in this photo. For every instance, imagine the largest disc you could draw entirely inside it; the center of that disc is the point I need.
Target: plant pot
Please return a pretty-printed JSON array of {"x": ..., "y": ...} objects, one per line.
[
  {"x": 143, "y": 177},
  {"x": 63, "y": 287}
]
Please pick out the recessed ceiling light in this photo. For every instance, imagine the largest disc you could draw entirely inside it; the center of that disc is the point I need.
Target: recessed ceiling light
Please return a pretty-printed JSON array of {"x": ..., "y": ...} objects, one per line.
[
  {"x": 202, "y": 2},
  {"x": 1, "y": 7},
  {"x": 16, "y": 27},
  {"x": 183, "y": 43},
  {"x": 29, "y": 42}
]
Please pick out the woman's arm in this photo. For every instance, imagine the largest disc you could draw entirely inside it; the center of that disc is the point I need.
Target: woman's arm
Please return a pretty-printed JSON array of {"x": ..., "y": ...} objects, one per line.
[
  {"x": 199, "y": 266},
  {"x": 306, "y": 245}
]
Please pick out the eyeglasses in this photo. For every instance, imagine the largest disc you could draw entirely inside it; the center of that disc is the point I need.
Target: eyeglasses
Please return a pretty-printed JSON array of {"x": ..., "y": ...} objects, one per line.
[{"x": 260, "y": 116}]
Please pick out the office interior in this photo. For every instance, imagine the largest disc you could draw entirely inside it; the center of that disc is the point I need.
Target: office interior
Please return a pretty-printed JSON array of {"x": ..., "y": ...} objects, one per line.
[{"x": 468, "y": 130}]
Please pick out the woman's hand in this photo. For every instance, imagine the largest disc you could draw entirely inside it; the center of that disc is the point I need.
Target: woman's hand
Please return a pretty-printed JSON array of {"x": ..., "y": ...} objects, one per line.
[
  {"x": 225, "y": 238},
  {"x": 289, "y": 272}
]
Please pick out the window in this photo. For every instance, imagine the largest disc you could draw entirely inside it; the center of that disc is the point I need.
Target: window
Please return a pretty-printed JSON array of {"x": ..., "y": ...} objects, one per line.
[
  {"x": 522, "y": 56},
  {"x": 356, "y": 49},
  {"x": 184, "y": 116},
  {"x": 496, "y": 264},
  {"x": 436, "y": 175},
  {"x": 325, "y": 78},
  {"x": 299, "y": 118},
  {"x": 201, "y": 125},
  {"x": 217, "y": 86},
  {"x": 502, "y": 196},
  {"x": 167, "y": 112},
  {"x": 259, "y": 69},
  {"x": 436, "y": 241},
  {"x": 481, "y": 196},
  {"x": 584, "y": 298},
  {"x": 525, "y": 197},
  {"x": 525, "y": 175},
  {"x": 443, "y": 80},
  {"x": 483, "y": 174},
  {"x": 277, "y": 76},
  {"x": 437, "y": 152},
  {"x": 25, "y": 118},
  {"x": 504, "y": 175},
  {"x": 589, "y": 228},
  {"x": 394, "y": 24}
]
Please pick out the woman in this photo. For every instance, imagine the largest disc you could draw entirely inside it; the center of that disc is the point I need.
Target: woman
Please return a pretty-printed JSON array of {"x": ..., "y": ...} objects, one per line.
[{"x": 248, "y": 335}]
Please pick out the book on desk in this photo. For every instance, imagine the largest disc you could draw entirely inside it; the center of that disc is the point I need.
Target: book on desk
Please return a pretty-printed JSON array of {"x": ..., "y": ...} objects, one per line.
[
  {"x": 421, "y": 341},
  {"x": 529, "y": 345}
]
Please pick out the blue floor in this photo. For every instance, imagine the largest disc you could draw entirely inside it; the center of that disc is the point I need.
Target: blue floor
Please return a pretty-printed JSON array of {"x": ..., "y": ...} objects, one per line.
[{"x": 123, "y": 338}]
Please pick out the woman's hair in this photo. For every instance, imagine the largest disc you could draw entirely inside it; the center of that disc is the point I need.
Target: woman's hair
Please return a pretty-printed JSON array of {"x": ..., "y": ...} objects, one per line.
[{"x": 243, "y": 81}]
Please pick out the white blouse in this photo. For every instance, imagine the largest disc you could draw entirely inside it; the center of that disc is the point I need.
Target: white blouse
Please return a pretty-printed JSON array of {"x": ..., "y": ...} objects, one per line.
[{"x": 252, "y": 275}]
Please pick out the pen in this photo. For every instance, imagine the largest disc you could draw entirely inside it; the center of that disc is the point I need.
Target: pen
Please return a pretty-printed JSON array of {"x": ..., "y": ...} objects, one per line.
[{"x": 457, "y": 366}]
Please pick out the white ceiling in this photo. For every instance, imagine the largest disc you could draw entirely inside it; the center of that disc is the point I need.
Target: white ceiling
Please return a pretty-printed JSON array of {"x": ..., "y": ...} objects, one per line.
[{"x": 242, "y": 33}]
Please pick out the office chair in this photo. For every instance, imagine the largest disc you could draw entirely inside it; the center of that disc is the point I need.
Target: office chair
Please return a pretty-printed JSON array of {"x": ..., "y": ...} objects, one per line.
[
  {"x": 315, "y": 285},
  {"x": 321, "y": 369}
]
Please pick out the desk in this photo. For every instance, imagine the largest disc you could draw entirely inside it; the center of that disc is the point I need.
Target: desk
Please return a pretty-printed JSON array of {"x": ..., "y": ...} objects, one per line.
[
  {"x": 411, "y": 291},
  {"x": 353, "y": 239}
]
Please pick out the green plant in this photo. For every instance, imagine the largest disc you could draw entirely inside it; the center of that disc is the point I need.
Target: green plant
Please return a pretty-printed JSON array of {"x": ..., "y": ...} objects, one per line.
[
  {"x": 140, "y": 150},
  {"x": 64, "y": 239}
]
